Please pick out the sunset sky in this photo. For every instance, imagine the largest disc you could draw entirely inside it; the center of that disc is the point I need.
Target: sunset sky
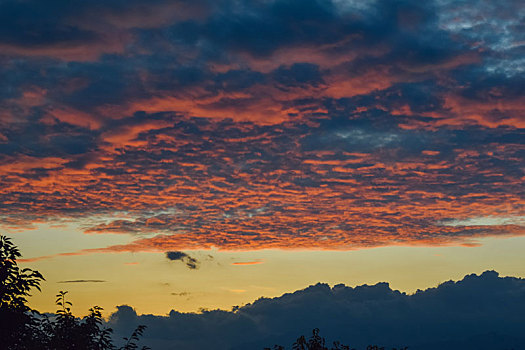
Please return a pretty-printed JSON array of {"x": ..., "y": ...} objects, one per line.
[{"x": 201, "y": 154}]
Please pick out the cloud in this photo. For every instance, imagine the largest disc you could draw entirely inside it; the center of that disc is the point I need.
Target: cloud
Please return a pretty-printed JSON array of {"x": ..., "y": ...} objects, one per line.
[
  {"x": 257, "y": 125},
  {"x": 447, "y": 316},
  {"x": 82, "y": 281},
  {"x": 255, "y": 262},
  {"x": 30, "y": 28},
  {"x": 190, "y": 262}
]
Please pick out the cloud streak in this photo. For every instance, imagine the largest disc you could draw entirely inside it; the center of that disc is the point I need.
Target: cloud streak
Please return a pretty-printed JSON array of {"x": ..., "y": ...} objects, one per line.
[
  {"x": 241, "y": 263},
  {"x": 82, "y": 281}
]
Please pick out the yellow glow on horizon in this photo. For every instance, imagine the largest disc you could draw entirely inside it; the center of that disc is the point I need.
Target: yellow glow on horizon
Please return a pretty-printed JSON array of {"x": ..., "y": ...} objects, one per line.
[{"x": 152, "y": 284}]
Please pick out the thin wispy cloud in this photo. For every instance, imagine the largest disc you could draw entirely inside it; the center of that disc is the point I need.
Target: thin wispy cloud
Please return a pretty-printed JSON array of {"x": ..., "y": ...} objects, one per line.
[
  {"x": 255, "y": 262},
  {"x": 83, "y": 281}
]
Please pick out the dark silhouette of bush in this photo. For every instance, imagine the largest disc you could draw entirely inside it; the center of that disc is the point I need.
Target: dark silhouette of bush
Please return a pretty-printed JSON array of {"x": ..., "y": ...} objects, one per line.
[
  {"x": 316, "y": 342},
  {"x": 17, "y": 323},
  {"x": 22, "y": 328}
]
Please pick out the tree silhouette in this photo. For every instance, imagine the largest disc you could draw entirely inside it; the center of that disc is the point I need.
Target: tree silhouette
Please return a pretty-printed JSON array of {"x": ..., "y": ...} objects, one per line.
[
  {"x": 131, "y": 342},
  {"x": 316, "y": 342},
  {"x": 22, "y": 328},
  {"x": 17, "y": 324}
]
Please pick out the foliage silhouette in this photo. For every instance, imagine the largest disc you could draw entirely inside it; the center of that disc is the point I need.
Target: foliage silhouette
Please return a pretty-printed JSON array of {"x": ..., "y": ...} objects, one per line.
[
  {"x": 22, "y": 328},
  {"x": 316, "y": 342},
  {"x": 130, "y": 343},
  {"x": 17, "y": 324}
]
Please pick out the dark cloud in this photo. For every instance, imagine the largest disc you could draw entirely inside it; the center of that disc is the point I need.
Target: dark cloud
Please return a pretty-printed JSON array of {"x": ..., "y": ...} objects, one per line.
[
  {"x": 482, "y": 312},
  {"x": 82, "y": 281},
  {"x": 32, "y": 23},
  {"x": 298, "y": 74},
  {"x": 190, "y": 262}
]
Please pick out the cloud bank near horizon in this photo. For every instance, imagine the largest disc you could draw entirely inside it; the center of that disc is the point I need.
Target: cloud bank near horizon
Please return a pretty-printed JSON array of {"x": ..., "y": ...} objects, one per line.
[
  {"x": 316, "y": 124},
  {"x": 482, "y": 312}
]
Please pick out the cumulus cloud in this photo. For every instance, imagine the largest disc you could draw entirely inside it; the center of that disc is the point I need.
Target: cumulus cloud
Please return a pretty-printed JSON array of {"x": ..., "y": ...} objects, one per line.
[
  {"x": 480, "y": 311},
  {"x": 190, "y": 262}
]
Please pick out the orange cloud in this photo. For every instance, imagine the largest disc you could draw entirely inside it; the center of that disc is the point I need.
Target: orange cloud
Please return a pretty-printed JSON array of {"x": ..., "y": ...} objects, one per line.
[
  {"x": 256, "y": 262},
  {"x": 78, "y": 51}
]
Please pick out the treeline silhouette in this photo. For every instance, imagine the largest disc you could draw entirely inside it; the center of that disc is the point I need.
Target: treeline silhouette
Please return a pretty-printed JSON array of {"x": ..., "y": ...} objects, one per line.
[
  {"x": 316, "y": 342},
  {"x": 22, "y": 328}
]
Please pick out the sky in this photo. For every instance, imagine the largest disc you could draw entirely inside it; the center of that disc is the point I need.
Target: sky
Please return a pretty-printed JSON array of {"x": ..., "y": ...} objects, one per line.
[{"x": 201, "y": 154}]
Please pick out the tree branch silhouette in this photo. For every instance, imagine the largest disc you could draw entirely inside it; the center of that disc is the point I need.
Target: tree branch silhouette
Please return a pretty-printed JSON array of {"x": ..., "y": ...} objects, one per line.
[{"x": 22, "y": 328}]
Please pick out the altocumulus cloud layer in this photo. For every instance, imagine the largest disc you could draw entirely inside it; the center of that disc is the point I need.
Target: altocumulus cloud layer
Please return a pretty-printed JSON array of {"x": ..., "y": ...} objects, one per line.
[
  {"x": 478, "y": 312},
  {"x": 264, "y": 124}
]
